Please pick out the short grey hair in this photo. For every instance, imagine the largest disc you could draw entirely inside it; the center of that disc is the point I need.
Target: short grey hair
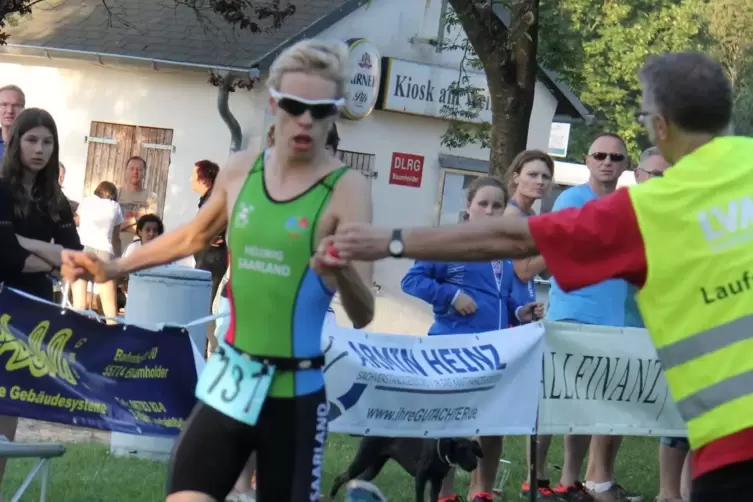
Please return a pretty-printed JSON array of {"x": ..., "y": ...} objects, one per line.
[
  {"x": 690, "y": 89},
  {"x": 15, "y": 88},
  {"x": 648, "y": 153}
]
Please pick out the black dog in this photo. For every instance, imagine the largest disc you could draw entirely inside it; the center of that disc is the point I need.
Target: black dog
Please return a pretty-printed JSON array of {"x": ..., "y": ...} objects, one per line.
[{"x": 427, "y": 460}]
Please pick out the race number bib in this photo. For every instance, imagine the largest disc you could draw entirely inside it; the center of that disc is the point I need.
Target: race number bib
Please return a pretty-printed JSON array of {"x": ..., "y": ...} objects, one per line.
[{"x": 234, "y": 385}]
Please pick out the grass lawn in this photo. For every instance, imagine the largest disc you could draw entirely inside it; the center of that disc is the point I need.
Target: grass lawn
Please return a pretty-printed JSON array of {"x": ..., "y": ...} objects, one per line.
[{"x": 87, "y": 473}]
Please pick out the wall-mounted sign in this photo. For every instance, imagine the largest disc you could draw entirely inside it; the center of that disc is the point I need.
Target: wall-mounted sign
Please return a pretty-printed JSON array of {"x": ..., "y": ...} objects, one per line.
[
  {"x": 559, "y": 138},
  {"x": 421, "y": 89},
  {"x": 363, "y": 88},
  {"x": 406, "y": 169}
]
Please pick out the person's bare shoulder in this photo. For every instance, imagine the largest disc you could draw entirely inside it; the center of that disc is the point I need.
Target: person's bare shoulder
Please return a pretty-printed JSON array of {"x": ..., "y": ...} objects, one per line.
[
  {"x": 237, "y": 167},
  {"x": 353, "y": 193}
]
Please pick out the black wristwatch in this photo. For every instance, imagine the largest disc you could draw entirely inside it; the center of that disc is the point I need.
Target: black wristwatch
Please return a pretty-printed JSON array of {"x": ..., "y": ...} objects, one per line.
[{"x": 396, "y": 246}]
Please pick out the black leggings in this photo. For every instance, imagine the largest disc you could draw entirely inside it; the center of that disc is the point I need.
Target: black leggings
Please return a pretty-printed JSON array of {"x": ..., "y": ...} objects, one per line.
[
  {"x": 288, "y": 440},
  {"x": 732, "y": 483}
]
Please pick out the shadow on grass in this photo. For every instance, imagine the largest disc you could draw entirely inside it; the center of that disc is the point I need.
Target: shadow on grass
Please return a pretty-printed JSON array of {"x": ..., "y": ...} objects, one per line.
[{"x": 87, "y": 473}]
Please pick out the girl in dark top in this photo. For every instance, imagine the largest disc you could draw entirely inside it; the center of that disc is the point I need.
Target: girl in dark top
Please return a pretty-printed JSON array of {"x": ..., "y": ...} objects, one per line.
[
  {"x": 33, "y": 210},
  {"x": 33, "y": 213}
]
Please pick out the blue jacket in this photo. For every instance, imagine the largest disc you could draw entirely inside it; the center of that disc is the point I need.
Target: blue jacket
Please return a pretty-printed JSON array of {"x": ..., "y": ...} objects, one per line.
[{"x": 437, "y": 283}]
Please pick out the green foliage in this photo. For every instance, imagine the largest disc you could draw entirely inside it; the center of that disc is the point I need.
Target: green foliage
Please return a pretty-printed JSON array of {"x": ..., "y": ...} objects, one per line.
[
  {"x": 616, "y": 39},
  {"x": 465, "y": 100},
  {"x": 598, "y": 46},
  {"x": 730, "y": 24}
]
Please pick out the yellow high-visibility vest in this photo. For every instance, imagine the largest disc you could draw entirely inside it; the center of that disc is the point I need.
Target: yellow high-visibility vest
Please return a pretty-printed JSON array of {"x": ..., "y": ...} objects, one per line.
[{"x": 697, "y": 302}]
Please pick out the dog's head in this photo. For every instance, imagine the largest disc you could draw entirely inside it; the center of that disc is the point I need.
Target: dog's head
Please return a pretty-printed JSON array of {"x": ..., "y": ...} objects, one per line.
[{"x": 464, "y": 453}]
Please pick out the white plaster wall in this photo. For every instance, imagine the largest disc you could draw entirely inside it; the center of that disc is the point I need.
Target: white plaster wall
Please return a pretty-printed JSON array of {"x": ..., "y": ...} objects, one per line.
[
  {"x": 390, "y": 24},
  {"x": 77, "y": 93}
]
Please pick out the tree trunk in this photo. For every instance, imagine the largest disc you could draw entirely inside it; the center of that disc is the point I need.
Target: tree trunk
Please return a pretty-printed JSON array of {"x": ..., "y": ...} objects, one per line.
[{"x": 508, "y": 55}]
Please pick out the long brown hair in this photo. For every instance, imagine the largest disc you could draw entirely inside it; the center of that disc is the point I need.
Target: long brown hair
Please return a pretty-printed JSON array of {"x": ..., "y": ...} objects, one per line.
[
  {"x": 45, "y": 193},
  {"x": 519, "y": 162}
]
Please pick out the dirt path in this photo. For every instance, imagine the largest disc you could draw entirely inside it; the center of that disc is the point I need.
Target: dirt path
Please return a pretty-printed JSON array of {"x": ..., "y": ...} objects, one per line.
[{"x": 35, "y": 430}]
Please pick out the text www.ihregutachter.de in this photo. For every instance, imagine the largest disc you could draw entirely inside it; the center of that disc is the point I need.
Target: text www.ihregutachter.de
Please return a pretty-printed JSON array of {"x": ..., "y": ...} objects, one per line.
[{"x": 458, "y": 414}]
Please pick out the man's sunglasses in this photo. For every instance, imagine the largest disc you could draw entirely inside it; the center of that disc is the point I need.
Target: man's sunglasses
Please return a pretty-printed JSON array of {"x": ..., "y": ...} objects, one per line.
[
  {"x": 614, "y": 157},
  {"x": 295, "y": 106}
]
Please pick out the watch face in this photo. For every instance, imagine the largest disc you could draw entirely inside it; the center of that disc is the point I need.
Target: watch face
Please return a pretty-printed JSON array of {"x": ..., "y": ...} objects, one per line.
[{"x": 396, "y": 247}]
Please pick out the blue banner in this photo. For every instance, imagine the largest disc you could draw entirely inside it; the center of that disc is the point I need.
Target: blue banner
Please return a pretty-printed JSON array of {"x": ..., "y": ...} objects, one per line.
[{"x": 61, "y": 366}]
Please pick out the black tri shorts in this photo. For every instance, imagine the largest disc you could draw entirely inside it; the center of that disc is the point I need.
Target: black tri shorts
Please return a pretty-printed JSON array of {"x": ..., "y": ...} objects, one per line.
[{"x": 288, "y": 440}]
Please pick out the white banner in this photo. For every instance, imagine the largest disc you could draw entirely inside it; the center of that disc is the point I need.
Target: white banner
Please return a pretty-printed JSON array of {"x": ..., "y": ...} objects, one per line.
[
  {"x": 600, "y": 380},
  {"x": 436, "y": 386}
]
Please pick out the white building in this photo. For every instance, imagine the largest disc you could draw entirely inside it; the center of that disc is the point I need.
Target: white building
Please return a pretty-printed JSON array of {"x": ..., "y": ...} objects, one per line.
[{"x": 140, "y": 87}]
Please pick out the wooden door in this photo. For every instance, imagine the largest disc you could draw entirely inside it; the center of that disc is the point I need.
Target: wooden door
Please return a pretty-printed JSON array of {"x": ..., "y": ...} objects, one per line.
[
  {"x": 110, "y": 147},
  {"x": 155, "y": 146}
]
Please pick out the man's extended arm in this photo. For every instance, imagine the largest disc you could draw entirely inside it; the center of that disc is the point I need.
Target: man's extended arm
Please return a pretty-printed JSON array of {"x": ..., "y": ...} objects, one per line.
[
  {"x": 581, "y": 247},
  {"x": 492, "y": 238}
]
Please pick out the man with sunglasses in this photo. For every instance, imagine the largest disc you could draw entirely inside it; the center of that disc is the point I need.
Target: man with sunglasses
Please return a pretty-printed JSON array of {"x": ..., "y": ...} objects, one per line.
[
  {"x": 600, "y": 304},
  {"x": 263, "y": 390}
]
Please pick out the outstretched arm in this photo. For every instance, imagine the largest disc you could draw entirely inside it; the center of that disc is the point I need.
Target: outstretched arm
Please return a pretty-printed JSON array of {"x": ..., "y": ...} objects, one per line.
[
  {"x": 186, "y": 240},
  {"x": 581, "y": 247},
  {"x": 492, "y": 238}
]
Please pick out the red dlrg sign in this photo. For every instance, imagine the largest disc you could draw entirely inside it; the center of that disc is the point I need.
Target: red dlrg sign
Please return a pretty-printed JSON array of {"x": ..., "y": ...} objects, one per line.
[{"x": 406, "y": 169}]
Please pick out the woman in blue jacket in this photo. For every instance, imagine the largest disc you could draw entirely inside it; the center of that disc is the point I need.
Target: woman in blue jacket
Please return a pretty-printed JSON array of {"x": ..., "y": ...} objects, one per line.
[{"x": 473, "y": 297}]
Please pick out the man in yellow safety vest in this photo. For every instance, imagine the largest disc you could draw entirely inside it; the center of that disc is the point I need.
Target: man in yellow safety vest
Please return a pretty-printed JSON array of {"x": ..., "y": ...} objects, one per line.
[{"x": 685, "y": 239}]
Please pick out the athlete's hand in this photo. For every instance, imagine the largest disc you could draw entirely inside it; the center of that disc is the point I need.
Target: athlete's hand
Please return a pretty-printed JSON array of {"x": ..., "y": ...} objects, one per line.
[
  {"x": 327, "y": 260},
  {"x": 531, "y": 312},
  {"x": 362, "y": 242},
  {"x": 79, "y": 265}
]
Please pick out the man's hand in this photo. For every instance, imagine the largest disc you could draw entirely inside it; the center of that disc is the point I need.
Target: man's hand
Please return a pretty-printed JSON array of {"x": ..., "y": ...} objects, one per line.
[
  {"x": 531, "y": 312},
  {"x": 79, "y": 265},
  {"x": 361, "y": 242},
  {"x": 464, "y": 304}
]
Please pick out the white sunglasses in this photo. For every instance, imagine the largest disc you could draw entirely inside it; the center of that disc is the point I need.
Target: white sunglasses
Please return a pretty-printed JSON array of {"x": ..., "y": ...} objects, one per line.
[{"x": 297, "y": 106}]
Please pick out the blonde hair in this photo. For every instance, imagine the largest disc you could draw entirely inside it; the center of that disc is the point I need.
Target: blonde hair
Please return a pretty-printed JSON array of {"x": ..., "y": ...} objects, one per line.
[{"x": 325, "y": 59}]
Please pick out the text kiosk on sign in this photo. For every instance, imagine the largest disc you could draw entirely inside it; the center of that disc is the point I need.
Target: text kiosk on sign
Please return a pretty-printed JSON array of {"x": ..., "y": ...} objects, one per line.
[{"x": 406, "y": 169}]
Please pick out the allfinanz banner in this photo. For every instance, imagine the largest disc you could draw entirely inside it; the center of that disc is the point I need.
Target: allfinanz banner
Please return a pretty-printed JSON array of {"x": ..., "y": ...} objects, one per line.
[{"x": 63, "y": 367}]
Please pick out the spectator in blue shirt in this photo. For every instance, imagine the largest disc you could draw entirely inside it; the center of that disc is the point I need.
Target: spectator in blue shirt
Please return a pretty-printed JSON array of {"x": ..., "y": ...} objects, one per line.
[
  {"x": 12, "y": 102},
  {"x": 473, "y": 297},
  {"x": 601, "y": 304}
]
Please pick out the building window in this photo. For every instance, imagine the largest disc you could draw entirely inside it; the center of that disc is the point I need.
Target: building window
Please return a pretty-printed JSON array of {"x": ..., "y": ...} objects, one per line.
[
  {"x": 363, "y": 162},
  {"x": 452, "y": 196}
]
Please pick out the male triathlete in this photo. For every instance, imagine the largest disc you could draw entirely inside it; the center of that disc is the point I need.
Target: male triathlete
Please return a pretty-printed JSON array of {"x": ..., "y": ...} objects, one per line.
[
  {"x": 277, "y": 209},
  {"x": 685, "y": 239}
]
